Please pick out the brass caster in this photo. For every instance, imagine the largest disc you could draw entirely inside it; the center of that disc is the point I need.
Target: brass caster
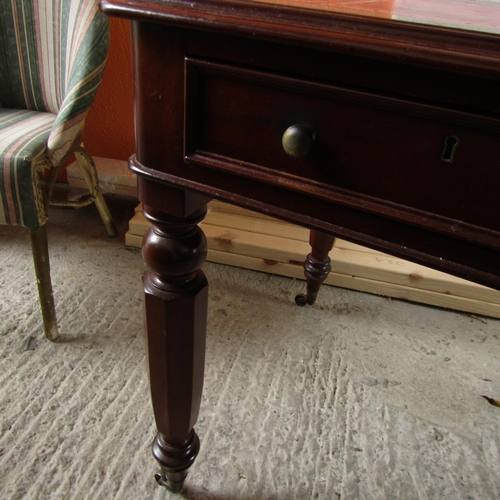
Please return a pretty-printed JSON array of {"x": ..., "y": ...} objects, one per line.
[
  {"x": 172, "y": 486},
  {"x": 301, "y": 300}
]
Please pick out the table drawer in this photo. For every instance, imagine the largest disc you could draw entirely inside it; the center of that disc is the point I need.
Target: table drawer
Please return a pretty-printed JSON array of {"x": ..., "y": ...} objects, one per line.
[{"x": 383, "y": 153}]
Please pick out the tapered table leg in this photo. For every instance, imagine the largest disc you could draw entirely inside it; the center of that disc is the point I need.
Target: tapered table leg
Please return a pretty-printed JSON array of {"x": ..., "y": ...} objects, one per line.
[
  {"x": 316, "y": 266},
  {"x": 176, "y": 293}
]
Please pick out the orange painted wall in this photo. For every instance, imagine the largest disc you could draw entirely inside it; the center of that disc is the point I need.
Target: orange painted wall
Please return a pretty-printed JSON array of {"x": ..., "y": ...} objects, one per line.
[{"x": 109, "y": 128}]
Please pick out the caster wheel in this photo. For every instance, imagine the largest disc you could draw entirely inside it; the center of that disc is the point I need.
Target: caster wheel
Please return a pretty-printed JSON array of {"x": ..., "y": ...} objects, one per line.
[
  {"x": 301, "y": 300},
  {"x": 162, "y": 480}
]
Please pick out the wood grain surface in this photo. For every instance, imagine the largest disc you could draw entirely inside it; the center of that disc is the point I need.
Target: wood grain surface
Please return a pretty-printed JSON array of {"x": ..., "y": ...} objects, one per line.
[{"x": 241, "y": 238}]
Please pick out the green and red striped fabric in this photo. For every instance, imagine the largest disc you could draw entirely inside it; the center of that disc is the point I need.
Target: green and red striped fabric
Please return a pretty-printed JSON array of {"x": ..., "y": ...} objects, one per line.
[{"x": 52, "y": 58}]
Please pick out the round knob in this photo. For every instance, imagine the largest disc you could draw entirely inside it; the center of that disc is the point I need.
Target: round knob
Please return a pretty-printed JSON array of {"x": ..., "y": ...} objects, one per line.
[{"x": 297, "y": 141}]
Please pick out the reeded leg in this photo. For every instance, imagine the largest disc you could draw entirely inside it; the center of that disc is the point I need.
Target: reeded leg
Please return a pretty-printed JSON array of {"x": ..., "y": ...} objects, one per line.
[
  {"x": 316, "y": 266},
  {"x": 40, "y": 251},
  {"x": 176, "y": 294}
]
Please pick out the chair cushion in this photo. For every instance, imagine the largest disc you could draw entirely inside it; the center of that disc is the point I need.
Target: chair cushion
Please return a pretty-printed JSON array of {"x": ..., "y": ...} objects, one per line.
[
  {"x": 52, "y": 58},
  {"x": 23, "y": 141}
]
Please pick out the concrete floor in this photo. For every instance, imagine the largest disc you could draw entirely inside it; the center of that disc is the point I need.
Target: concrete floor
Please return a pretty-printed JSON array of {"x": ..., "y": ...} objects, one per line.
[{"x": 358, "y": 397}]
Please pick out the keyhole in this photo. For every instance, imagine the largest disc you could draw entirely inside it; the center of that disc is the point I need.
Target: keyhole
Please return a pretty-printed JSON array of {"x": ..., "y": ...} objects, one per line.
[{"x": 450, "y": 146}]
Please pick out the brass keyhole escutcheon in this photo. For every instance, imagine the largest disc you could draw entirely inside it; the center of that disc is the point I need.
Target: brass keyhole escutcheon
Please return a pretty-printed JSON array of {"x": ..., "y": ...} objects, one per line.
[
  {"x": 450, "y": 146},
  {"x": 297, "y": 141}
]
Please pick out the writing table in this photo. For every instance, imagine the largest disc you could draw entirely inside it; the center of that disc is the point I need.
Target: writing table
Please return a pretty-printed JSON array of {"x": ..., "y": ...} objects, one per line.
[{"x": 376, "y": 121}]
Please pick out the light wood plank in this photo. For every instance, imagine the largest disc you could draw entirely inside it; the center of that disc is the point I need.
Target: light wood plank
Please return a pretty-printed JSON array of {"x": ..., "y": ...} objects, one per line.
[
  {"x": 269, "y": 226},
  {"x": 138, "y": 225},
  {"x": 263, "y": 246},
  {"x": 269, "y": 245},
  {"x": 465, "y": 304}
]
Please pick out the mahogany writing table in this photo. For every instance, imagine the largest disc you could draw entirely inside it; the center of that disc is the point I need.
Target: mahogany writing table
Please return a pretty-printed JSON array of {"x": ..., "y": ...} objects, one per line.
[{"x": 376, "y": 121}]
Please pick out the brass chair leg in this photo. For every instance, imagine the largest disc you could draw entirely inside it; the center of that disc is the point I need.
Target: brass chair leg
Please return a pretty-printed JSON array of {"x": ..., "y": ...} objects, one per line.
[
  {"x": 89, "y": 173},
  {"x": 42, "y": 270},
  {"x": 105, "y": 215}
]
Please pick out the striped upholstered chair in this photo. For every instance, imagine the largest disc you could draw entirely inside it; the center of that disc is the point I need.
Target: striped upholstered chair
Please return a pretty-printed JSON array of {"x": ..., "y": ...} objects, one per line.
[{"x": 52, "y": 57}]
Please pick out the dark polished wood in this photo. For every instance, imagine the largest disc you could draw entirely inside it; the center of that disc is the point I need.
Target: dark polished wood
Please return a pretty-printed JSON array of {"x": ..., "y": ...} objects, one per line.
[
  {"x": 397, "y": 125},
  {"x": 316, "y": 266},
  {"x": 175, "y": 305}
]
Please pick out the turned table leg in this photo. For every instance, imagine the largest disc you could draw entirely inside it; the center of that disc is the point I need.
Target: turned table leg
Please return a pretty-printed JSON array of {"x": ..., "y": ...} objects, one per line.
[
  {"x": 176, "y": 294},
  {"x": 316, "y": 266}
]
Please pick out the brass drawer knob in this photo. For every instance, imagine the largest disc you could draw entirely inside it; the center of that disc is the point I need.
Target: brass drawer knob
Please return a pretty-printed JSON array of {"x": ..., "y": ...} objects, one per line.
[{"x": 297, "y": 141}]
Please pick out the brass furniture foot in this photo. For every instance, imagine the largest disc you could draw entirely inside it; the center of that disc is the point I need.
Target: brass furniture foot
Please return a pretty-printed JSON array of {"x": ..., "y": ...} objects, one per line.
[{"x": 174, "y": 460}]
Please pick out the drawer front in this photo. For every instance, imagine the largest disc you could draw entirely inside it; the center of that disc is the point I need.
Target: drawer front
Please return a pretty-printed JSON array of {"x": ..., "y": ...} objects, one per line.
[{"x": 390, "y": 155}]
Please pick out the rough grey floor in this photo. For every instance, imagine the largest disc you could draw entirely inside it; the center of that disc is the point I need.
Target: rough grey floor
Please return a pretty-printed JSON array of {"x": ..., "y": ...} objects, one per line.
[{"x": 358, "y": 397}]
